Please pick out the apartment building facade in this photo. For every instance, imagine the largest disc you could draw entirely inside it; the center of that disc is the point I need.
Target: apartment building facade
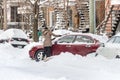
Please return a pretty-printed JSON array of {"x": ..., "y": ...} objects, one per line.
[
  {"x": 58, "y": 13},
  {"x": 111, "y": 22}
]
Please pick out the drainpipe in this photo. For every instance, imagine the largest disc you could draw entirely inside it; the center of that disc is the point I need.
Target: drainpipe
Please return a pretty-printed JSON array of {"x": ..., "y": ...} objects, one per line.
[
  {"x": 5, "y": 14},
  {"x": 92, "y": 15}
]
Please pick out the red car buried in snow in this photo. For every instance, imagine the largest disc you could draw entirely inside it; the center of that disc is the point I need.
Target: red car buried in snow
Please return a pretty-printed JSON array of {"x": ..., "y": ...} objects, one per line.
[{"x": 81, "y": 44}]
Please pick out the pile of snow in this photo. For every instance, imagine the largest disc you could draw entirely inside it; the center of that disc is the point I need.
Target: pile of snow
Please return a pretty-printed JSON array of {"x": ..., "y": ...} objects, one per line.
[
  {"x": 114, "y": 2},
  {"x": 31, "y": 45},
  {"x": 118, "y": 34},
  {"x": 1, "y": 31},
  {"x": 15, "y": 64}
]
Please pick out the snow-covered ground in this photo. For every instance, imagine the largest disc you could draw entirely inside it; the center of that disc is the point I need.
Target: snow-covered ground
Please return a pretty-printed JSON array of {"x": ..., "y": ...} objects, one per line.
[{"x": 15, "y": 64}]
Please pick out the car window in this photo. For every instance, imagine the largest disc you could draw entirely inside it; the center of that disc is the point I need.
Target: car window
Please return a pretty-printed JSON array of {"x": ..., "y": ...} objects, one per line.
[
  {"x": 117, "y": 40},
  {"x": 66, "y": 39},
  {"x": 84, "y": 39}
]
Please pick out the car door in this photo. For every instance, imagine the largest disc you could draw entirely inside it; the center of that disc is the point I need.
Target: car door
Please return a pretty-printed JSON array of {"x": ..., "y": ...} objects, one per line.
[
  {"x": 83, "y": 45},
  {"x": 63, "y": 44}
]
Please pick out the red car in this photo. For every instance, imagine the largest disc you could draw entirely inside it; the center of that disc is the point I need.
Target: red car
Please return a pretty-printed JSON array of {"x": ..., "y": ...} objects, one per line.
[{"x": 74, "y": 43}]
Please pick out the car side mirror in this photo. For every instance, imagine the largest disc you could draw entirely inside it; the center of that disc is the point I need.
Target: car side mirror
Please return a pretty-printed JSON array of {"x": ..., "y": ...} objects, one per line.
[{"x": 102, "y": 45}]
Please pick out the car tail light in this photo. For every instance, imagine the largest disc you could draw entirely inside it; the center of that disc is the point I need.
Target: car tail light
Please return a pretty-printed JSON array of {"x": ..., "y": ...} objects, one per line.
[{"x": 10, "y": 40}]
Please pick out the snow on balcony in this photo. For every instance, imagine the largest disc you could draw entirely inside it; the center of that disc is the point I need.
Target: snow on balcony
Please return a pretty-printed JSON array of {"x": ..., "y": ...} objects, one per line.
[
  {"x": 115, "y": 2},
  {"x": 24, "y": 9}
]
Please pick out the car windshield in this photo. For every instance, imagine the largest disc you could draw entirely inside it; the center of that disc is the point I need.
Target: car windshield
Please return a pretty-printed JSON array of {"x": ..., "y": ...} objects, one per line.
[{"x": 115, "y": 39}]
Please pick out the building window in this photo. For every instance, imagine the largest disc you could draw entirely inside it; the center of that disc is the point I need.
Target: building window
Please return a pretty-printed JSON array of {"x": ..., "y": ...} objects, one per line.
[
  {"x": 70, "y": 18},
  {"x": 13, "y": 13}
]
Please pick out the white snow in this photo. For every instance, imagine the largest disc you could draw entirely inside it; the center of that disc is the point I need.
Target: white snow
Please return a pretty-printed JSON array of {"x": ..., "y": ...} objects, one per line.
[
  {"x": 1, "y": 31},
  {"x": 114, "y": 2},
  {"x": 61, "y": 32},
  {"x": 16, "y": 33},
  {"x": 15, "y": 64}
]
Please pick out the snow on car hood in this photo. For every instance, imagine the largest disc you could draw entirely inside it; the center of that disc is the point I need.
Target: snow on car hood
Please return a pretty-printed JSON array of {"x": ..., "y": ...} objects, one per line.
[{"x": 16, "y": 33}]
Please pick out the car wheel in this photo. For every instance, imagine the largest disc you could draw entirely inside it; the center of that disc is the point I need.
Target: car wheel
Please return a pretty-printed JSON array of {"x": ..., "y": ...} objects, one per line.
[
  {"x": 39, "y": 55},
  {"x": 23, "y": 46},
  {"x": 117, "y": 56}
]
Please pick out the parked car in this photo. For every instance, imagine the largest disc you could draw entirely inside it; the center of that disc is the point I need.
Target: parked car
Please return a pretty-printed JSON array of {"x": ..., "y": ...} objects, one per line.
[
  {"x": 16, "y": 37},
  {"x": 110, "y": 49},
  {"x": 80, "y": 44}
]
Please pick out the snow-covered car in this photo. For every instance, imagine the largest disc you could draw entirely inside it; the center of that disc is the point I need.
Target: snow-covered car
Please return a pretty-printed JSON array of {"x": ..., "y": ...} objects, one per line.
[
  {"x": 16, "y": 37},
  {"x": 81, "y": 44},
  {"x": 110, "y": 49}
]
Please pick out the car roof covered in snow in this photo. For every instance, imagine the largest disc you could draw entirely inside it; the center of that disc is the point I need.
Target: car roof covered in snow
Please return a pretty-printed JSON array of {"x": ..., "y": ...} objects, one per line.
[
  {"x": 100, "y": 38},
  {"x": 16, "y": 33},
  {"x": 118, "y": 34}
]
